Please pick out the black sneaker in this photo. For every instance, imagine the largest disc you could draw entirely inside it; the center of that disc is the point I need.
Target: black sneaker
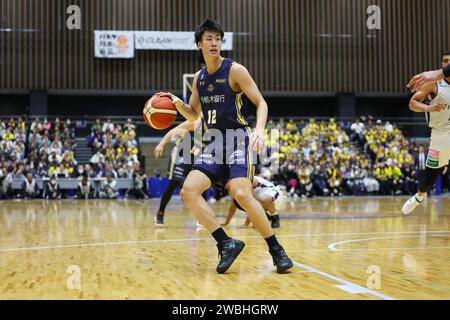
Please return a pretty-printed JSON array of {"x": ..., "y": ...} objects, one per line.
[
  {"x": 228, "y": 252},
  {"x": 276, "y": 221},
  {"x": 159, "y": 219},
  {"x": 280, "y": 259}
]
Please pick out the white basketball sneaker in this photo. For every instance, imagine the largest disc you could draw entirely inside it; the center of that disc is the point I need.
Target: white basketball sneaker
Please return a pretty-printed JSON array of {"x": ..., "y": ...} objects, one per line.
[{"x": 411, "y": 204}]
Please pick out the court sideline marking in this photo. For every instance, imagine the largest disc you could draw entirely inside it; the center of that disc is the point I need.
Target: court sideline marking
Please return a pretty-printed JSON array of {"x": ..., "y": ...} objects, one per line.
[
  {"x": 332, "y": 246},
  {"x": 347, "y": 286},
  {"x": 95, "y": 244}
]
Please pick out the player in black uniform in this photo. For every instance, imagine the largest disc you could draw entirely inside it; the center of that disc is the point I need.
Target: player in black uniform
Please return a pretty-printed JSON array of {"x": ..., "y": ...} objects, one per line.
[{"x": 179, "y": 166}]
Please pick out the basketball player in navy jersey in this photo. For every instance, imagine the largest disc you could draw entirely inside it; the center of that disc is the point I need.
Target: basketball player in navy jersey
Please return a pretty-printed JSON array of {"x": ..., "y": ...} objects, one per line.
[{"x": 220, "y": 90}]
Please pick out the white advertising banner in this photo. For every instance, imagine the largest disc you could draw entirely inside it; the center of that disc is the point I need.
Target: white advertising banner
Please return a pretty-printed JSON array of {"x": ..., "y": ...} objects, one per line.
[
  {"x": 173, "y": 40},
  {"x": 114, "y": 44}
]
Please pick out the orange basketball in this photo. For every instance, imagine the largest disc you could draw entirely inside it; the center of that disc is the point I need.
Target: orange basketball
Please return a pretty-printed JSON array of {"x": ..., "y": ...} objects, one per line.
[{"x": 160, "y": 112}]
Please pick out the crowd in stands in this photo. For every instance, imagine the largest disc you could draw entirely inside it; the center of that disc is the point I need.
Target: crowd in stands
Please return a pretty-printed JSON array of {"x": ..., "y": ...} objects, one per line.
[
  {"x": 364, "y": 157},
  {"x": 45, "y": 150},
  {"x": 313, "y": 158}
]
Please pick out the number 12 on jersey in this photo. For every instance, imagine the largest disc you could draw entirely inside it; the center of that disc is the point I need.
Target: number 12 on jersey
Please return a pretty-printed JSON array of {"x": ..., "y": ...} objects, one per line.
[{"x": 212, "y": 116}]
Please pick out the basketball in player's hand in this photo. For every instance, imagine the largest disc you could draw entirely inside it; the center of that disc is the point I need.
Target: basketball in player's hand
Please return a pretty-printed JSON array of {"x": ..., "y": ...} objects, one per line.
[{"x": 160, "y": 112}]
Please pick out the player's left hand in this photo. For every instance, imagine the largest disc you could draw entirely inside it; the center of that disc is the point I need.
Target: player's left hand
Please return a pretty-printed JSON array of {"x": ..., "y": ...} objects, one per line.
[
  {"x": 159, "y": 150},
  {"x": 257, "y": 140}
]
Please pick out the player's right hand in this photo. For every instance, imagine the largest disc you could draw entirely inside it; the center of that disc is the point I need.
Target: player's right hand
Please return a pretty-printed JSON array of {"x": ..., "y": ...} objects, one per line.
[
  {"x": 419, "y": 80},
  {"x": 167, "y": 94},
  {"x": 159, "y": 150},
  {"x": 435, "y": 107}
]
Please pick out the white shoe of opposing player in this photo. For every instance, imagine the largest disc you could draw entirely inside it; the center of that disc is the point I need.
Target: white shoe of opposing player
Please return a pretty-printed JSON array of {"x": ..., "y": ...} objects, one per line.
[{"x": 411, "y": 204}]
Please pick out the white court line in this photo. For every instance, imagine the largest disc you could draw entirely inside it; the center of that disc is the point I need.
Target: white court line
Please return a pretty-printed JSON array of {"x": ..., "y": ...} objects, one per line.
[
  {"x": 332, "y": 246},
  {"x": 114, "y": 243},
  {"x": 347, "y": 285},
  {"x": 370, "y": 249}
]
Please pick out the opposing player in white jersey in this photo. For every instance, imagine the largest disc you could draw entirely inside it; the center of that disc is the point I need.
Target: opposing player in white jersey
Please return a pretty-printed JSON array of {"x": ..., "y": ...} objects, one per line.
[
  {"x": 437, "y": 114},
  {"x": 270, "y": 197}
]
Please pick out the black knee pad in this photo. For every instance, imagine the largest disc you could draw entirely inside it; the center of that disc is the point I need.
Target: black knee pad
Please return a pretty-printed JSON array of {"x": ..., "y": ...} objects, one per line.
[{"x": 429, "y": 179}]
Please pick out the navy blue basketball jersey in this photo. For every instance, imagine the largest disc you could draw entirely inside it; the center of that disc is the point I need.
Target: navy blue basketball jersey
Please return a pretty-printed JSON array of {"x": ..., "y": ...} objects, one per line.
[{"x": 222, "y": 108}]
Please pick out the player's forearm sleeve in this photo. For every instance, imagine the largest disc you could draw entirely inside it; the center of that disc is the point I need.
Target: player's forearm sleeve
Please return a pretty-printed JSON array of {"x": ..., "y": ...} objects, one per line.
[{"x": 446, "y": 71}]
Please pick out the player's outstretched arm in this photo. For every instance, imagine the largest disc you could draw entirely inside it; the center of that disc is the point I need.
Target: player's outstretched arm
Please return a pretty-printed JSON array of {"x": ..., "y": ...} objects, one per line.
[
  {"x": 190, "y": 111},
  {"x": 240, "y": 75},
  {"x": 426, "y": 77},
  {"x": 179, "y": 130},
  {"x": 231, "y": 212},
  {"x": 416, "y": 104}
]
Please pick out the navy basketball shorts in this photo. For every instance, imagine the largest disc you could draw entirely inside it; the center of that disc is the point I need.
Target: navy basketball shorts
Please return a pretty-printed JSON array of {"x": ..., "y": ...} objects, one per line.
[
  {"x": 225, "y": 161},
  {"x": 178, "y": 170}
]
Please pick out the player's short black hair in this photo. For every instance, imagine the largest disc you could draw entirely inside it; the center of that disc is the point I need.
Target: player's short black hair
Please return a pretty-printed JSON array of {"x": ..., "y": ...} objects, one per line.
[{"x": 207, "y": 25}]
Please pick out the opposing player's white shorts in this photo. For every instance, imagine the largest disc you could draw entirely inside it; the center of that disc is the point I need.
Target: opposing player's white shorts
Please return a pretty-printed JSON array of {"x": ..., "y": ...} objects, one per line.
[
  {"x": 275, "y": 193},
  {"x": 439, "y": 151},
  {"x": 267, "y": 192}
]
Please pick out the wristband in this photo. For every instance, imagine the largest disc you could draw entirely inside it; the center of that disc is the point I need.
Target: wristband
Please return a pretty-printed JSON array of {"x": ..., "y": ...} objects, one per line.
[
  {"x": 178, "y": 102},
  {"x": 446, "y": 71}
]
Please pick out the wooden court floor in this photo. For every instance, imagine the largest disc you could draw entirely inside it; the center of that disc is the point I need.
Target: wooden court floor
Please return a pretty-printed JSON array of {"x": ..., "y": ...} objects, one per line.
[{"x": 346, "y": 248}]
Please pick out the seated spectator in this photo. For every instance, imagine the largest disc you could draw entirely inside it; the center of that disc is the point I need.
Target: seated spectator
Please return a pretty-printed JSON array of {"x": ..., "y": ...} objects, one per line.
[
  {"x": 57, "y": 126},
  {"x": 57, "y": 146},
  {"x": 89, "y": 171},
  {"x": 42, "y": 170},
  {"x": 139, "y": 190},
  {"x": 291, "y": 126},
  {"x": 371, "y": 183},
  {"x": 95, "y": 140},
  {"x": 122, "y": 171},
  {"x": 99, "y": 170},
  {"x": 19, "y": 172},
  {"x": 109, "y": 169},
  {"x": 97, "y": 157},
  {"x": 85, "y": 189},
  {"x": 45, "y": 149},
  {"x": 54, "y": 159},
  {"x": 8, "y": 178},
  {"x": 305, "y": 185},
  {"x": 319, "y": 178},
  {"x": 109, "y": 188},
  {"x": 96, "y": 126},
  {"x": 410, "y": 179},
  {"x": 383, "y": 176},
  {"x": 397, "y": 178},
  {"x": 61, "y": 171},
  {"x": 47, "y": 125},
  {"x": 52, "y": 190},
  {"x": 108, "y": 126},
  {"x": 357, "y": 129},
  {"x": 30, "y": 187},
  {"x": 78, "y": 173},
  {"x": 292, "y": 179}
]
